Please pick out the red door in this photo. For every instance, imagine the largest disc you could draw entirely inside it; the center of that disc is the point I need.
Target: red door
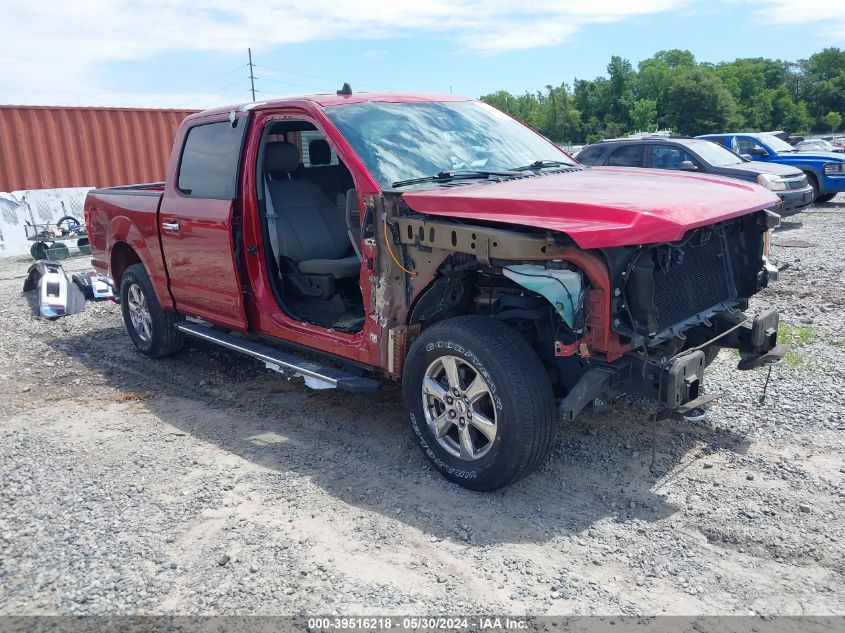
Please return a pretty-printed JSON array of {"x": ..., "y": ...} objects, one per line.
[{"x": 196, "y": 225}]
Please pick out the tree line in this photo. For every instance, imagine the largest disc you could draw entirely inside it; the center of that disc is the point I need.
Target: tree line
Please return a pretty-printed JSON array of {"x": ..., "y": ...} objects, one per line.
[{"x": 672, "y": 91}]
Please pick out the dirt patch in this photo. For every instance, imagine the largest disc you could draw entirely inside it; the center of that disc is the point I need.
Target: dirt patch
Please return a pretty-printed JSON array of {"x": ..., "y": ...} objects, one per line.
[{"x": 203, "y": 483}]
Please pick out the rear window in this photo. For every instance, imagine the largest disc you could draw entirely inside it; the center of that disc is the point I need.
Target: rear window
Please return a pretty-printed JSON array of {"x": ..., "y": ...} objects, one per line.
[
  {"x": 627, "y": 156},
  {"x": 209, "y": 165},
  {"x": 590, "y": 155}
]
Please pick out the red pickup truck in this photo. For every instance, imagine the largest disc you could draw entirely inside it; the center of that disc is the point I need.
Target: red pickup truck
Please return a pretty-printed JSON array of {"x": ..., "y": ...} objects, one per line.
[{"x": 357, "y": 238}]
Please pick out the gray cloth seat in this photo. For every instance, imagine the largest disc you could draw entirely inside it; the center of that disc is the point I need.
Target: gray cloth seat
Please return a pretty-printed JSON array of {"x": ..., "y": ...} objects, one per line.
[
  {"x": 311, "y": 230},
  {"x": 337, "y": 268},
  {"x": 334, "y": 180}
]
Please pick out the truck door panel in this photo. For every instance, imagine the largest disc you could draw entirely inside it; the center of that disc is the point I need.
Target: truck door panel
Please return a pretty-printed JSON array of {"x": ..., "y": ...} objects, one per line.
[{"x": 196, "y": 225}]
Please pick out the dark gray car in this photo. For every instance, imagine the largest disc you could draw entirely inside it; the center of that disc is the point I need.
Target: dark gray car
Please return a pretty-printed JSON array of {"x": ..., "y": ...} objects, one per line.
[{"x": 697, "y": 155}]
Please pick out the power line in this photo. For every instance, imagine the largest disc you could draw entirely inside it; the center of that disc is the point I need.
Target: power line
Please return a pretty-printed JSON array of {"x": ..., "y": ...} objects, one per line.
[
  {"x": 288, "y": 83},
  {"x": 219, "y": 90},
  {"x": 190, "y": 89},
  {"x": 233, "y": 99},
  {"x": 290, "y": 72}
]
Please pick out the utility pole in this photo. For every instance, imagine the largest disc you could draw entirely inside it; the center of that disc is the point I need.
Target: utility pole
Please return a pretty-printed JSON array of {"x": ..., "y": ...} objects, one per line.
[{"x": 251, "y": 76}]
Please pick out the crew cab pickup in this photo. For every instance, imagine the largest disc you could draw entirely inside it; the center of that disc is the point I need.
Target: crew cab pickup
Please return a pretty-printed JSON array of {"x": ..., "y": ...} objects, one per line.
[
  {"x": 358, "y": 238},
  {"x": 825, "y": 170}
]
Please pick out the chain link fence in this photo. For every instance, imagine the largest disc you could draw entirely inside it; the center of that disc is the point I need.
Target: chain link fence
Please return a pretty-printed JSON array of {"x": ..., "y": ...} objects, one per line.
[{"x": 42, "y": 208}]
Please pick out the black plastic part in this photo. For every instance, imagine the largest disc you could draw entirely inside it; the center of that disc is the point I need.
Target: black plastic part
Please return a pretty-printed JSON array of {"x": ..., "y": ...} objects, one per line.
[
  {"x": 591, "y": 385},
  {"x": 681, "y": 380}
]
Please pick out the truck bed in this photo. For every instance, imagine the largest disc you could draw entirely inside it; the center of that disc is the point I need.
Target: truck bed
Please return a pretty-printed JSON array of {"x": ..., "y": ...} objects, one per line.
[
  {"x": 143, "y": 189},
  {"x": 127, "y": 214}
]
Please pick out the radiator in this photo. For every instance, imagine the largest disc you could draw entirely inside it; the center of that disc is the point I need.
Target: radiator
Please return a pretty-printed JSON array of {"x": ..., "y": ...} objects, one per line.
[{"x": 689, "y": 279}]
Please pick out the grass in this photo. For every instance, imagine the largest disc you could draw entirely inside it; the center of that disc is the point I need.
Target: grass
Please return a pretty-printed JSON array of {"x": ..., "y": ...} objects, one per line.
[{"x": 796, "y": 336}]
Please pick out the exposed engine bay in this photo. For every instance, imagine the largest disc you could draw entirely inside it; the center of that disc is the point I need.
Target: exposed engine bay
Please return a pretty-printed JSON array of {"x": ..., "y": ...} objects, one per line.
[{"x": 624, "y": 319}]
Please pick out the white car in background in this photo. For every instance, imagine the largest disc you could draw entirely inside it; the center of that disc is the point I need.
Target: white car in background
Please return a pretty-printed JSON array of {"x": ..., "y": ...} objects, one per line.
[{"x": 817, "y": 145}]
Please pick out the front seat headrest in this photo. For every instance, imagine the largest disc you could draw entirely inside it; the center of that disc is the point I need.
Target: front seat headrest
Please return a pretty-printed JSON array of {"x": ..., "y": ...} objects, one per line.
[
  {"x": 319, "y": 152},
  {"x": 281, "y": 157}
]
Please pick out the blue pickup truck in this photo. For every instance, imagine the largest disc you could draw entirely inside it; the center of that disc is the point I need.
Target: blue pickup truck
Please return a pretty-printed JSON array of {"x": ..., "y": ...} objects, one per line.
[{"x": 825, "y": 170}]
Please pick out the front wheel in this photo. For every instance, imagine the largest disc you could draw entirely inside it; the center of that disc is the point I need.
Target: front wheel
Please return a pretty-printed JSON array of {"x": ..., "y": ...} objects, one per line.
[
  {"x": 151, "y": 328},
  {"x": 825, "y": 198},
  {"x": 480, "y": 402}
]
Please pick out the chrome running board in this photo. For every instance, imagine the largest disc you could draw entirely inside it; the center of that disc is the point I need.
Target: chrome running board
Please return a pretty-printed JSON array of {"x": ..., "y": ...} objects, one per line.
[{"x": 284, "y": 362}]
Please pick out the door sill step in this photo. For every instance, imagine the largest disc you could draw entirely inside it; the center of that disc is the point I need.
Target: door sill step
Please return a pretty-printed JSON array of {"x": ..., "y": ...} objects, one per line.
[{"x": 284, "y": 362}]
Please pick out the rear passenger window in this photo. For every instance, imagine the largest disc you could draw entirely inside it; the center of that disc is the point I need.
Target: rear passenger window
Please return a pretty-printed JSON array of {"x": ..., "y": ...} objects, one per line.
[
  {"x": 627, "y": 156},
  {"x": 590, "y": 156},
  {"x": 209, "y": 165},
  {"x": 315, "y": 139}
]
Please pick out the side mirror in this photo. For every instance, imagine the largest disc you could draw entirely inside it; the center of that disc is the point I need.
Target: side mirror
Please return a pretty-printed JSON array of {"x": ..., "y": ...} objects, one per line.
[
  {"x": 758, "y": 151},
  {"x": 746, "y": 156},
  {"x": 688, "y": 165}
]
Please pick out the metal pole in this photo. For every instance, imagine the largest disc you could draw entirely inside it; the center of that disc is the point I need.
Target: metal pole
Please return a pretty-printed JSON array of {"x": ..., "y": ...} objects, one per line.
[{"x": 251, "y": 76}]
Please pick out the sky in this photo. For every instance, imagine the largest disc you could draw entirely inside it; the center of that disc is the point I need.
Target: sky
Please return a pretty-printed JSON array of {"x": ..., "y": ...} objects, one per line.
[{"x": 193, "y": 53}]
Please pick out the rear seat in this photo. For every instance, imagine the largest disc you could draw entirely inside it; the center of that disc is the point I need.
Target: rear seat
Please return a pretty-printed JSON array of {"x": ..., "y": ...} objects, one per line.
[{"x": 334, "y": 180}]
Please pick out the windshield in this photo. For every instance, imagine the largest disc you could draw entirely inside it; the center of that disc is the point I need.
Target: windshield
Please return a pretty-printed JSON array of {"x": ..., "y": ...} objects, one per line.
[
  {"x": 715, "y": 154},
  {"x": 401, "y": 141},
  {"x": 776, "y": 143}
]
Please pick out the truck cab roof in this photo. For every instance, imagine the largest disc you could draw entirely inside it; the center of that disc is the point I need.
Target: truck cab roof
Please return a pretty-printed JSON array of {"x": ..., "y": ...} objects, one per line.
[{"x": 335, "y": 99}]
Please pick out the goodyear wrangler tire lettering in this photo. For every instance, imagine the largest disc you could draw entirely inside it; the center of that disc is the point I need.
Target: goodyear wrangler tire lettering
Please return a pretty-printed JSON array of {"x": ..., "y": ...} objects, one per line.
[{"x": 479, "y": 402}]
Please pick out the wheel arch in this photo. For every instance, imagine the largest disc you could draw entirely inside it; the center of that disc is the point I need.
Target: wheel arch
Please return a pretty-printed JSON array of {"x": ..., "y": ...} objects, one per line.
[{"x": 122, "y": 257}]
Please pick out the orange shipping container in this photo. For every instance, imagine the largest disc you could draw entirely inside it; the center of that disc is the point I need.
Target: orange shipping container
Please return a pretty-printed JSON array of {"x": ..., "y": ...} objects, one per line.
[{"x": 46, "y": 147}]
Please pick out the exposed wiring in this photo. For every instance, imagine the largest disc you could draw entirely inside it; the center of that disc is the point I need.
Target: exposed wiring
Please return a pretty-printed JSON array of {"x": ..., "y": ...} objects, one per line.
[{"x": 392, "y": 256}]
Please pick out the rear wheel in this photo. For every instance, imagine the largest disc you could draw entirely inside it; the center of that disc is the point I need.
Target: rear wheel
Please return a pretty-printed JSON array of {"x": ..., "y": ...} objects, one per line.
[
  {"x": 38, "y": 250},
  {"x": 479, "y": 401},
  {"x": 825, "y": 198},
  {"x": 151, "y": 328}
]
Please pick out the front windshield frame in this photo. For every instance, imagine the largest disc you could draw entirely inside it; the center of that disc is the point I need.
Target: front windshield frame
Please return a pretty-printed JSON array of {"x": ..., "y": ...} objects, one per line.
[
  {"x": 776, "y": 143},
  {"x": 710, "y": 151},
  {"x": 392, "y": 139}
]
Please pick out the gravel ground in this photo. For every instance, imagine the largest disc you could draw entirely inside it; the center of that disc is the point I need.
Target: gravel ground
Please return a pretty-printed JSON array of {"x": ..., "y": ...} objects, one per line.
[{"x": 206, "y": 484}]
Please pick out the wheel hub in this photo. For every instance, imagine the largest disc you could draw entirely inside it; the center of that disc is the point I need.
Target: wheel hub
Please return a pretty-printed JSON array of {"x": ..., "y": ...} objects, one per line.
[
  {"x": 139, "y": 313},
  {"x": 459, "y": 409}
]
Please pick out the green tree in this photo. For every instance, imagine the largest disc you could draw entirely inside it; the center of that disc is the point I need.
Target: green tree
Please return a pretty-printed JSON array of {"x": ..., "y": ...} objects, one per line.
[
  {"x": 833, "y": 120},
  {"x": 671, "y": 89},
  {"x": 644, "y": 115},
  {"x": 698, "y": 103},
  {"x": 621, "y": 86}
]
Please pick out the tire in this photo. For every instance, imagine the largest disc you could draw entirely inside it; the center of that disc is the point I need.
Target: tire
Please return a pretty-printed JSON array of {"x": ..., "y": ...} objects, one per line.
[
  {"x": 58, "y": 250},
  {"x": 825, "y": 198},
  {"x": 152, "y": 329},
  {"x": 38, "y": 250},
  {"x": 71, "y": 221},
  {"x": 515, "y": 394},
  {"x": 710, "y": 354},
  {"x": 814, "y": 183}
]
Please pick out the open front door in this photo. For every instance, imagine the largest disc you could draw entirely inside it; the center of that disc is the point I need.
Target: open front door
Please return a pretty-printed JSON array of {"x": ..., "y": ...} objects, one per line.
[{"x": 196, "y": 225}]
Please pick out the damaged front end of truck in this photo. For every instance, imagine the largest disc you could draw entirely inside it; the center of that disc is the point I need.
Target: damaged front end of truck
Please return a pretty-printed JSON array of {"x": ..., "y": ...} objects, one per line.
[{"x": 643, "y": 319}]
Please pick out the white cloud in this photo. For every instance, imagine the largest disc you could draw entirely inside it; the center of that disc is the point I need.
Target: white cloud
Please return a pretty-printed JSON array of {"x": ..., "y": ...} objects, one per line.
[
  {"x": 829, "y": 15},
  {"x": 56, "y": 51}
]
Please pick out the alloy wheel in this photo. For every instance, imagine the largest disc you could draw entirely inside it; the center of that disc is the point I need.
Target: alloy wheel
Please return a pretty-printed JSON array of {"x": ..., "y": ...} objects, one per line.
[
  {"x": 459, "y": 409},
  {"x": 139, "y": 313}
]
